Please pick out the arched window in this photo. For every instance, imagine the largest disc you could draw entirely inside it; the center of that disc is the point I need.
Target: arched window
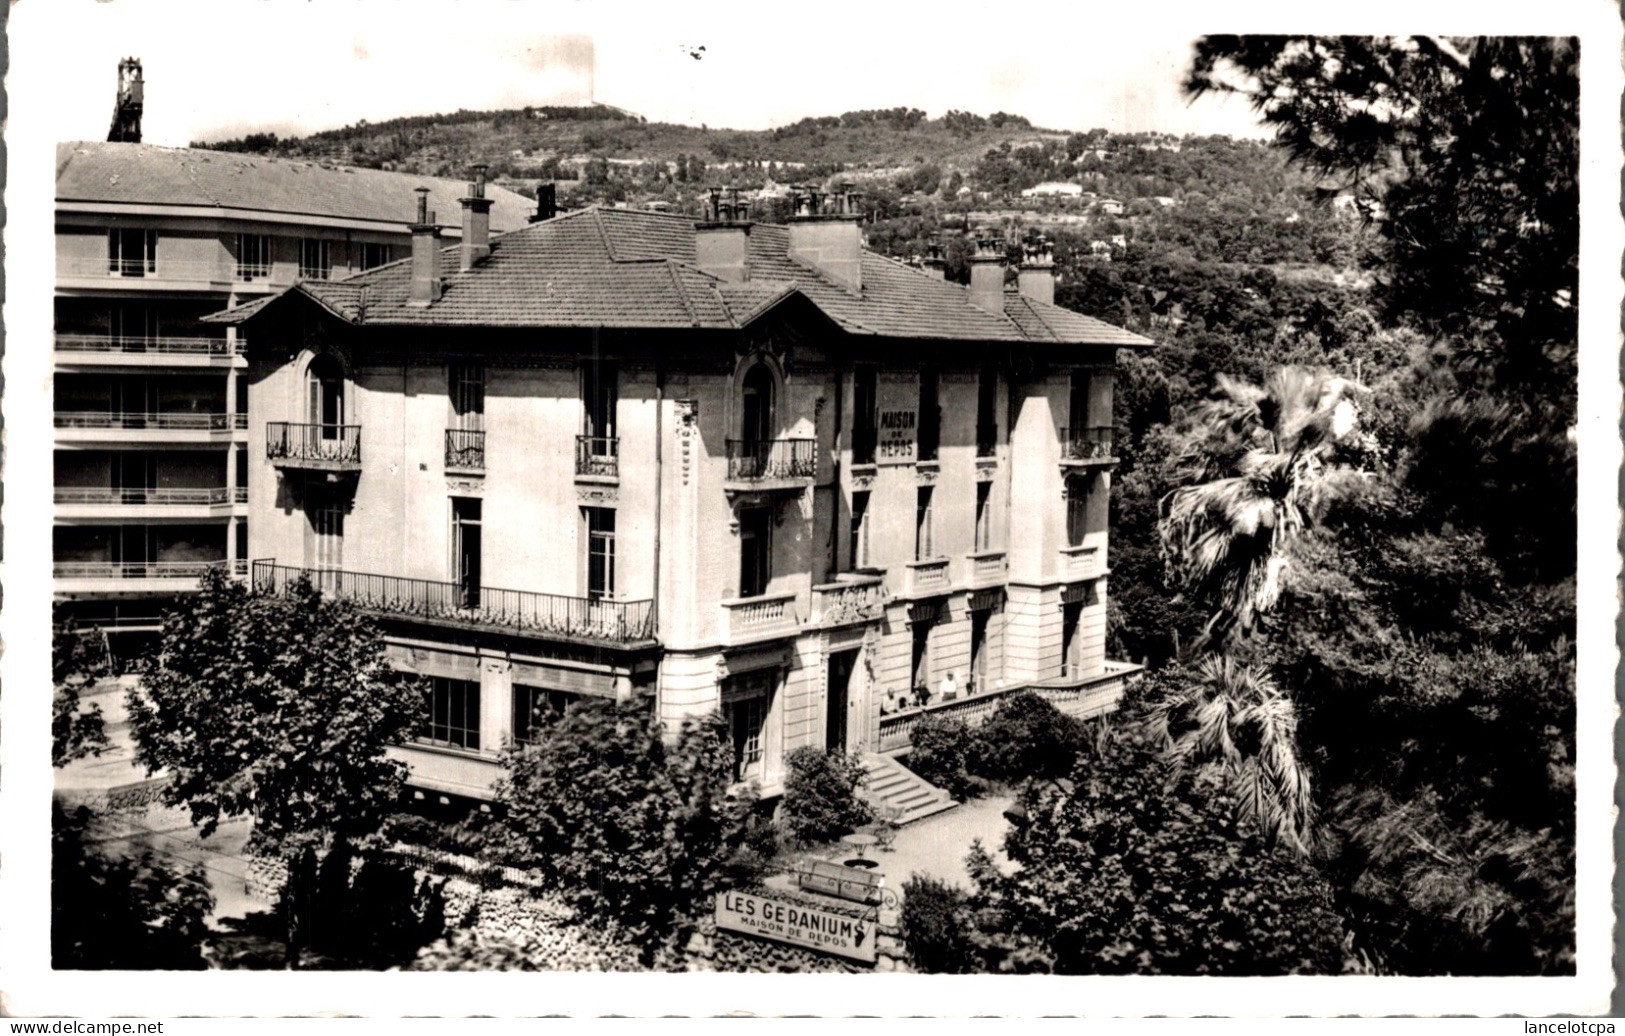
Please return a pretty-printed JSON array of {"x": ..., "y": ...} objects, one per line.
[
  {"x": 756, "y": 410},
  {"x": 324, "y": 384}
]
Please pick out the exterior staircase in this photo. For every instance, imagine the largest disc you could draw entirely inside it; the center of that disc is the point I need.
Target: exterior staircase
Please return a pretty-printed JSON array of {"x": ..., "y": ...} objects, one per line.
[{"x": 897, "y": 792}]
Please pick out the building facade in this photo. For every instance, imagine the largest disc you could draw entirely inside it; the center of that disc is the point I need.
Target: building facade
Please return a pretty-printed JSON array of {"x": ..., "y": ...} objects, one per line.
[
  {"x": 732, "y": 466},
  {"x": 151, "y": 462}
]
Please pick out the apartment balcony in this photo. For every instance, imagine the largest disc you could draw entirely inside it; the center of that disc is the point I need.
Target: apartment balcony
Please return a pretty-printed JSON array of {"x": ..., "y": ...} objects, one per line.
[
  {"x": 314, "y": 447},
  {"x": 465, "y": 451},
  {"x": 1082, "y": 562},
  {"x": 1085, "y": 447},
  {"x": 123, "y": 351},
  {"x": 984, "y": 568},
  {"x": 765, "y": 617},
  {"x": 616, "y": 623},
  {"x": 778, "y": 465},
  {"x": 181, "y": 426},
  {"x": 131, "y": 576},
  {"x": 929, "y": 578},
  {"x": 157, "y": 503},
  {"x": 853, "y": 600},
  {"x": 160, "y": 273},
  {"x": 598, "y": 457}
]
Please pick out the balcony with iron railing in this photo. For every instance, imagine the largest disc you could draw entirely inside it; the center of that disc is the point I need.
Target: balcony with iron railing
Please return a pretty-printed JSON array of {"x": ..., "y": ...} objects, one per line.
[
  {"x": 624, "y": 623},
  {"x": 92, "y": 424},
  {"x": 317, "y": 447},
  {"x": 133, "y": 575},
  {"x": 465, "y": 450},
  {"x": 598, "y": 456},
  {"x": 93, "y": 350},
  {"x": 1085, "y": 446},
  {"x": 91, "y": 499},
  {"x": 156, "y": 269},
  {"x": 771, "y": 464},
  {"x": 762, "y": 617}
]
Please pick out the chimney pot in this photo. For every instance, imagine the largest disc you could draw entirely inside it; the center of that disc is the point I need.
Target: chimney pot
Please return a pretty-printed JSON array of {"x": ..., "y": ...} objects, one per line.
[
  {"x": 987, "y": 274},
  {"x": 1036, "y": 278},
  {"x": 476, "y": 242}
]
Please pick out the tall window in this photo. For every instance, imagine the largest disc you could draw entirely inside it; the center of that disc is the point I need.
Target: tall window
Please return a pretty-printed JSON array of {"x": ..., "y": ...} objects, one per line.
[
  {"x": 984, "y": 516},
  {"x": 930, "y": 416},
  {"x": 466, "y": 547},
  {"x": 756, "y": 411},
  {"x": 454, "y": 713},
  {"x": 315, "y": 259},
  {"x": 537, "y": 708},
  {"x": 1077, "y": 511},
  {"x": 253, "y": 256},
  {"x": 600, "y": 552},
  {"x": 755, "y": 551},
  {"x": 324, "y": 384},
  {"x": 978, "y": 651},
  {"x": 1071, "y": 643},
  {"x": 132, "y": 253},
  {"x": 920, "y": 668},
  {"x": 746, "y": 699},
  {"x": 987, "y": 427},
  {"x": 599, "y": 395},
  {"x": 324, "y": 509},
  {"x": 467, "y": 385},
  {"x": 865, "y": 420},
  {"x": 859, "y": 546},
  {"x": 375, "y": 255},
  {"x": 924, "y": 548}
]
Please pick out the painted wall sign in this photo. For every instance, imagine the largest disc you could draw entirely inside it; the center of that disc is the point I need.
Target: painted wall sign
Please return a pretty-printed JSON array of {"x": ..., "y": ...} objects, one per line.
[
  {"x": 898, "y": 432},
  {"x": 797, "y": 924}
]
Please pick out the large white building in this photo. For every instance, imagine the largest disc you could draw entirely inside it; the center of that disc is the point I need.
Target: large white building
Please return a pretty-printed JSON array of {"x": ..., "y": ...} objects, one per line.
[{"x": 732, "y": 466}]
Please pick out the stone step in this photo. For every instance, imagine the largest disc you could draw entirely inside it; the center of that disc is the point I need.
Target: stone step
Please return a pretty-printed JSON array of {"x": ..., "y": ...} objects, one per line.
[{"x": 902, "y": 793}]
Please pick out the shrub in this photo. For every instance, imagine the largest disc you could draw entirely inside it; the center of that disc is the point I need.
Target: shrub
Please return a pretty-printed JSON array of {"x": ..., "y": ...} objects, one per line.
[
  {"x": 821, "y": 795},
  {"x": 934, "y": 926},
  {"x": 1028, "y": 737},
  {"x": 943, "y": 752}
]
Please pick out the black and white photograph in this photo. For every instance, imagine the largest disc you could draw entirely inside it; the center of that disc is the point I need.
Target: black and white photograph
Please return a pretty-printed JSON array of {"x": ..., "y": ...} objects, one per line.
[{"x": 649, "y": 503}]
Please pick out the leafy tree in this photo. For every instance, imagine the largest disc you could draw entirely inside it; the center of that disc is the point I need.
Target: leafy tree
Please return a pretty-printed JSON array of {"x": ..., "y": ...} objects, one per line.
[
  {"x": 278, "y": 707},
  {"x": 109, "y": 911},
  {"x": 821, "y": 795},
  {"x": 944, "y": 751},
  {"x": 78, "y": 659},
  {"x": 634, "y": 831},
  {"x": 936, "y": 922},
  {"x": 1103, "y": 882}
]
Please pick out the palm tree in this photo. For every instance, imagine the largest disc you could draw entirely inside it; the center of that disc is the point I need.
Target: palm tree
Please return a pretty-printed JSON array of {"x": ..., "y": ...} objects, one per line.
[
  {"x": 1263, "y": 472},
  {"x": 1235, "y": 717}
]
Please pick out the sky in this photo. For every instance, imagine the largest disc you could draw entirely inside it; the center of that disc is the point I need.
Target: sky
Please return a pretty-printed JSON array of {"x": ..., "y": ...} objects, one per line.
[{"x": 294, "y": 66}]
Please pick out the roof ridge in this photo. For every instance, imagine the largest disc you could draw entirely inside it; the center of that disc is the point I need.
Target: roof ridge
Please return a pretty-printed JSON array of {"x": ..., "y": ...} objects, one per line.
[{"x": 682, "y": 293}]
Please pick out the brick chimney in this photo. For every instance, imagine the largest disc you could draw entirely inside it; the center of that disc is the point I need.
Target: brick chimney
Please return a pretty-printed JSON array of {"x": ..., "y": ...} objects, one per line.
[
  {"x": 721, "y": 242},
  {"x": 933, "y": 263},
  {"x": 824, "y": 234},
  {"x": 425, "y": 254},
  {"x": 476, "y": 243},
  {"x": 987, "y": 275},
  {"x": 1036, "y": 275}
]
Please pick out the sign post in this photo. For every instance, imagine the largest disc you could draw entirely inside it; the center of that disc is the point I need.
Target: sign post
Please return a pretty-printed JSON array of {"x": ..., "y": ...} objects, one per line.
[{"x": 797, "y": 924}]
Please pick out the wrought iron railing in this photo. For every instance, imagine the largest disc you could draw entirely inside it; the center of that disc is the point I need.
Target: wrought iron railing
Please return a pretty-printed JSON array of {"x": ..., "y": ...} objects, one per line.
[
  {"x": 772, "y": 459},
  {"x": 324, "y": 443},
  {"x": 465, "y": 450},
  {"x": 178, "y": 420},
  {"x": 622, "y": 622},
  {"x": 598, "y": 455},
  {"x": 170, "y": 346},
  {"x": 140, "y": 495},
  {"x": 1086, "y": 443}
]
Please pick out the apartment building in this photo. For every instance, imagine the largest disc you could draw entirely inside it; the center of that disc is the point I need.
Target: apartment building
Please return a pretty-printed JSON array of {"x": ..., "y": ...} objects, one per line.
[
  {"x": 731, "y": 466},
  {"x": 151, "y": 462}
]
